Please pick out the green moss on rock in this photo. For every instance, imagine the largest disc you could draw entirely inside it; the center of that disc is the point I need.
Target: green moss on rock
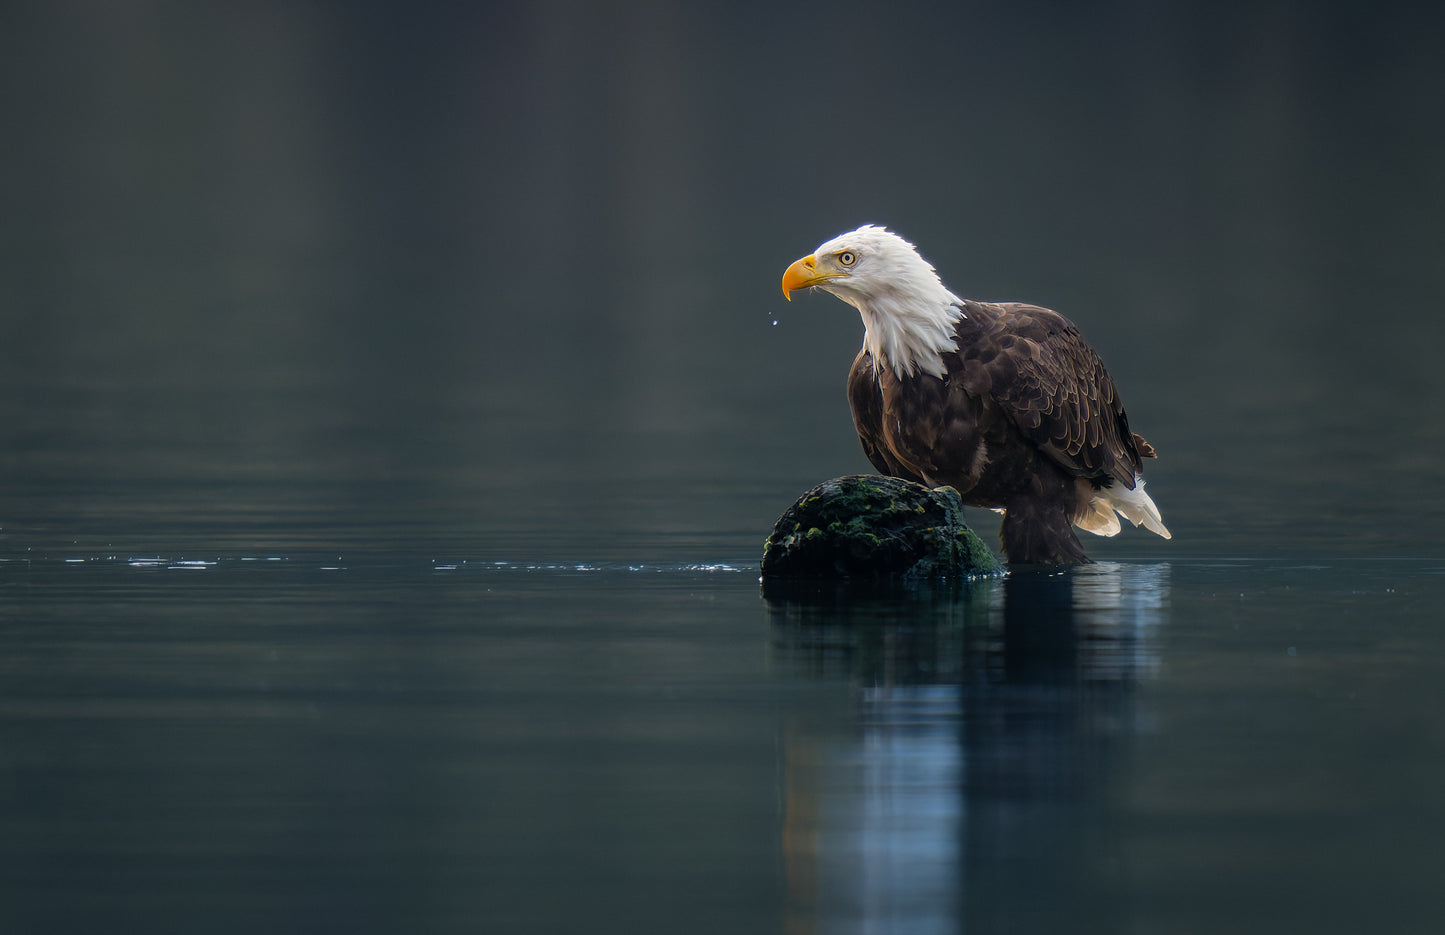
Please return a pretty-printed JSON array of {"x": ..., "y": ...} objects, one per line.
[{"x": 871, "y": 526}]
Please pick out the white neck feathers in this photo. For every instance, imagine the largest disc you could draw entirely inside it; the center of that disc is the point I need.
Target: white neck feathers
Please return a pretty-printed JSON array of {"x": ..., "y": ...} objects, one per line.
[{"x": 910, "y": 329}]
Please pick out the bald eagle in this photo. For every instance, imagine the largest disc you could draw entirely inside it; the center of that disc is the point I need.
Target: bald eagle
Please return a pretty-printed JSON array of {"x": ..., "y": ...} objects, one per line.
[{"x": 1005, "y": 402}]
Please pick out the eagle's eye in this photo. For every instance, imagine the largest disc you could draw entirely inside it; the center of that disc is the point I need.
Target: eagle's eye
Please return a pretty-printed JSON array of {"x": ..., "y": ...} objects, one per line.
[{"x": 847, "y": 258}]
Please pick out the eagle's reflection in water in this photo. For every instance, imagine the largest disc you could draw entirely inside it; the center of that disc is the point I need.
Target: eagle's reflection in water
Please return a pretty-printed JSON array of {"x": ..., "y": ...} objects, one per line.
[{"x": 977, "y": 783}]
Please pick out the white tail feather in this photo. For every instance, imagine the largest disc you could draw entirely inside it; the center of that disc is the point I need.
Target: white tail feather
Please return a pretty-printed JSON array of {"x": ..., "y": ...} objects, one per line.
[
  {"x": 1099, "y": 520},
  {"x": 1134, "y": 505}
]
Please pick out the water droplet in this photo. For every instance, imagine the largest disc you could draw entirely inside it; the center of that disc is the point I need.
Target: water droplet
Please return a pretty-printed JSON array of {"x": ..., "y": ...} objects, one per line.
[{"x": 775, "y": 323}]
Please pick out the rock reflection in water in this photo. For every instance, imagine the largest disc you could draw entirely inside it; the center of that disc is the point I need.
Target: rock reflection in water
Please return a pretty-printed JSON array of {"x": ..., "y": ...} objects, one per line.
[{"x": 992, "y": 722}]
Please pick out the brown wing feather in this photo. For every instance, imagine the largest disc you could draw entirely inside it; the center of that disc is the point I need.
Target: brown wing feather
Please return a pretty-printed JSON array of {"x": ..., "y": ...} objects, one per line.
[
  {"x": 1034, "y": 363},
  {"x": 866, "y": 400}
]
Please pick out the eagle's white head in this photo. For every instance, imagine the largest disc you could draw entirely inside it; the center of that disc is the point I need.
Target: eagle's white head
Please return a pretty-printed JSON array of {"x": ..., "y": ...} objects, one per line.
[{"x": 908, "y": 315}]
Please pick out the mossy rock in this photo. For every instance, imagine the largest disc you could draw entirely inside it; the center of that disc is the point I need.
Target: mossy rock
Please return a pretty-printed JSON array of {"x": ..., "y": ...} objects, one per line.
[{"x": 871, "y": 526}]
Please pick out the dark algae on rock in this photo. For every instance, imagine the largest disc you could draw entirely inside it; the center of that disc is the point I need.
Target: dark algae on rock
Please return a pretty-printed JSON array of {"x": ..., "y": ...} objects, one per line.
[{"x": 872, "y": 526}]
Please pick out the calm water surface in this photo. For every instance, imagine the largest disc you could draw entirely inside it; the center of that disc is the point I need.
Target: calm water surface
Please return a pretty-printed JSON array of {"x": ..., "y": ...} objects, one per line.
[{"x": 262, "y": 743}]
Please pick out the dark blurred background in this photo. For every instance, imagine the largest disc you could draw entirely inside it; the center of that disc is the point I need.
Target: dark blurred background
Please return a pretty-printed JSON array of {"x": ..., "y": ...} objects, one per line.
[{"x": 502, "y": 278}]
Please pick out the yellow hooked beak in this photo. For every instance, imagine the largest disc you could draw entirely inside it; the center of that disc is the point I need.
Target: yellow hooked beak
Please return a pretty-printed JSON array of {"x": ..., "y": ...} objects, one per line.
[{"x": 804, "y": 273}]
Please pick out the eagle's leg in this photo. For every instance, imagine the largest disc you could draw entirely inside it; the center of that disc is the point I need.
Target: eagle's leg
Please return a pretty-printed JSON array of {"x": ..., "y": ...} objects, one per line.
[
  {"x": 1032, "y": 537},
  {"x": 1038, "y": 526}
]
